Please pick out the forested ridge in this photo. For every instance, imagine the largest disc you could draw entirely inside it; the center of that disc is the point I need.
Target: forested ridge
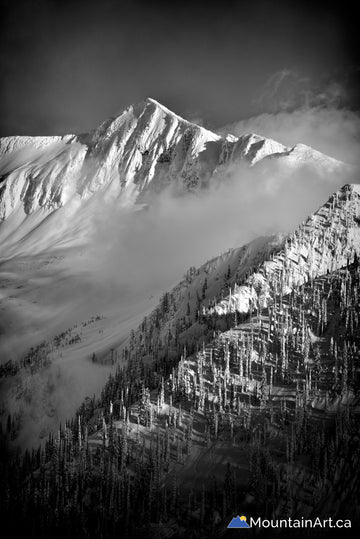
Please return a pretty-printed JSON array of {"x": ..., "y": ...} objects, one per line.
[{"x": 212, "y": 413}]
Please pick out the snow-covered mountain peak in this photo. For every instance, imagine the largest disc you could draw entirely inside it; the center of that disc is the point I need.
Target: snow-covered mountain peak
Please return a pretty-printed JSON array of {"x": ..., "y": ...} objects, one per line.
[
  {"x": 149, "y": 113},
  {"x": 165, "y": 109},
  {"x": 145, "y": 148}
]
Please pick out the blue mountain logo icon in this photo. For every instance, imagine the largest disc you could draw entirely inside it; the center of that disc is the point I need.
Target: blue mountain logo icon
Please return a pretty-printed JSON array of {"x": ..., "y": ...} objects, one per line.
[{"x": 238, "y": 522}]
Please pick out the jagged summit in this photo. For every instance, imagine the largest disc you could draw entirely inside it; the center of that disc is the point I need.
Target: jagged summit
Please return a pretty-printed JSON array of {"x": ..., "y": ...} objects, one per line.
[
  {"x": 145, "y": 148},
  {"x": 168, "y": 111}
]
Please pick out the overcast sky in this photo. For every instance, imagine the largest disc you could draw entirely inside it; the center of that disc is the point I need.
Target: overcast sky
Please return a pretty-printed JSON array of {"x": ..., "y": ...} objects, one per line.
[{"x": 66, "y": 66}]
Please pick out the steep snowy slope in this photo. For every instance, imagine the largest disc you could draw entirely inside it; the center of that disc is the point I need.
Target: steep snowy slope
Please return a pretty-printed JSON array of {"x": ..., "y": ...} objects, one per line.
[
  {"x": 123, "y": 155},
  {"x": 244, "y": 279},
  {"x": 325, "y": 242},
  {"x": 176, "y": 320},
  {"x": 13, "y": 144},
  {"x": 302, "y": 155},
  {"x": 146, "y": 148}
]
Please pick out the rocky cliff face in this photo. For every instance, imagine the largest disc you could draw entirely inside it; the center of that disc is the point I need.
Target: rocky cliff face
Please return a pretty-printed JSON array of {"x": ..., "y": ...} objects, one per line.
[{"x": 146, "y": 148}]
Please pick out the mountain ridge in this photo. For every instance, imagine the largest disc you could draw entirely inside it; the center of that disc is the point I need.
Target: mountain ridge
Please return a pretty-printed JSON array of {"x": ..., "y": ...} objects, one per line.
[
  {"x": 303, "y": 248},
  {"x": 242, "y": 281},
  {"x": 144, "y": 149}
]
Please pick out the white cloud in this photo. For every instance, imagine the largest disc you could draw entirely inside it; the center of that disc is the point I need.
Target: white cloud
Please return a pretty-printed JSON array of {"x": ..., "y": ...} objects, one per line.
[{"x": 335, "y": 132}]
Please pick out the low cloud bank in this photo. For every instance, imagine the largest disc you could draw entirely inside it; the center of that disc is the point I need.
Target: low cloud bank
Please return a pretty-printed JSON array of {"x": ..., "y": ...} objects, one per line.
[{"x": 152, "y": 248}]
